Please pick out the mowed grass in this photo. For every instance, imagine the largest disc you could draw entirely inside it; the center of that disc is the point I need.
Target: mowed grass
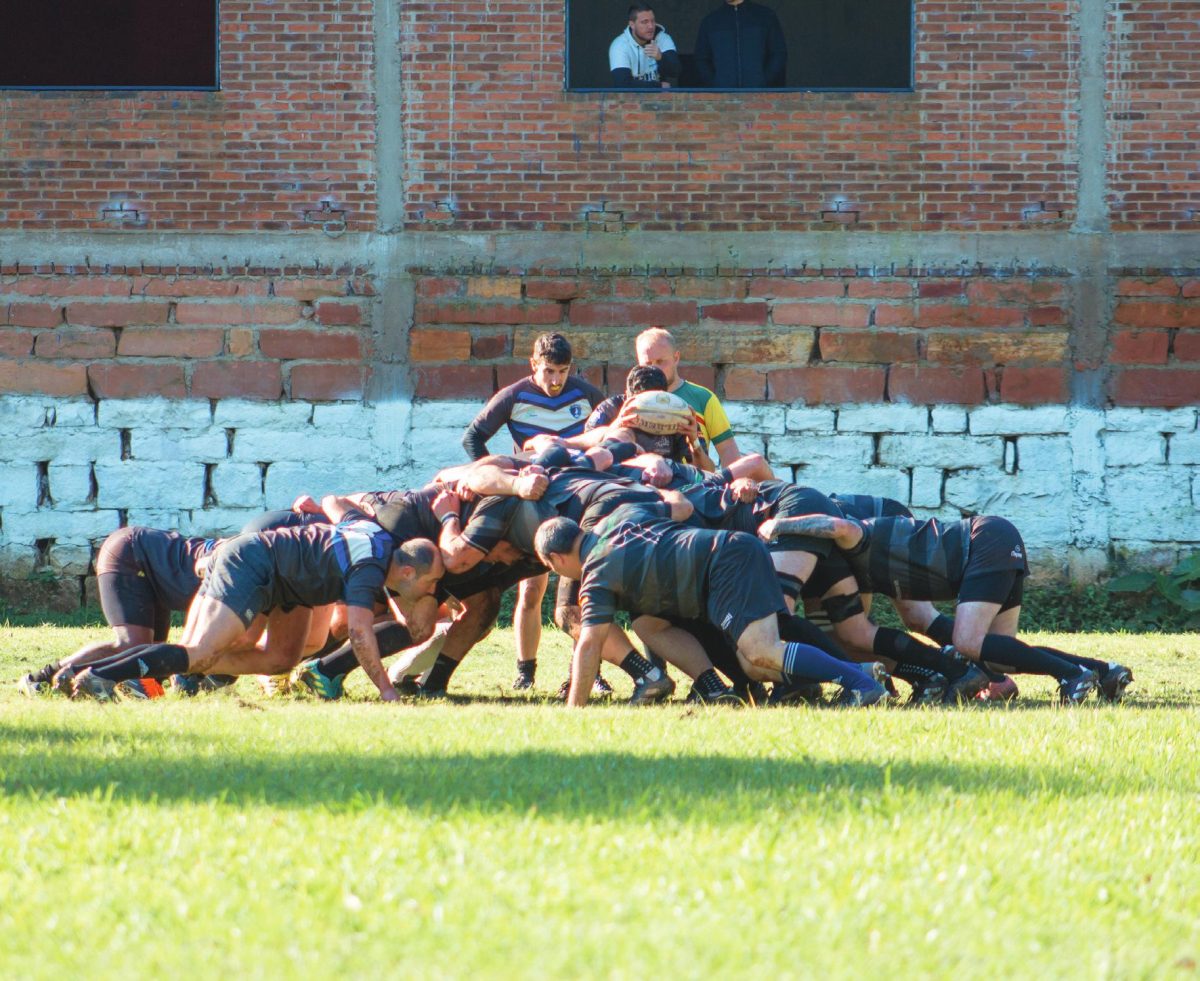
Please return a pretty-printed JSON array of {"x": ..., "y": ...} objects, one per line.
[{"x": 503, "y": 836}]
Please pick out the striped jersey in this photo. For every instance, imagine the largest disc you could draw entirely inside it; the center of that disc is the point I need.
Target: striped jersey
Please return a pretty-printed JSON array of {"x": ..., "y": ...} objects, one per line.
[
  {"x": 909, "y": 559},
  {"x": 640, "y": 561},
  {"x": 529, "y": 412},
  {"x": 319, "y": 564}
]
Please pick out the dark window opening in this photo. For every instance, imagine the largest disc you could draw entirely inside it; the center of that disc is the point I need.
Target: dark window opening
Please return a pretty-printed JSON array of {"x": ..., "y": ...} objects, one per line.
[
  {"x": 840, "y": 45},
  {"x": 108, "y": 44}
]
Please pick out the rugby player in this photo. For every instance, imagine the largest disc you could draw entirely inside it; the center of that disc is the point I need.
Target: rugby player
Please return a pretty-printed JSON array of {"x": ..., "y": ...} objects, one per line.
[
  {"x": 253, "y": 579},
  {"x": 550, "y": 401},
  {"x": 980, "y": 563},
  {"x": 656, "y": 348},
  {"x": 656, "y": 569},
  {"x": 476, "y": 592},
  {"x": 143, "y": 575}
]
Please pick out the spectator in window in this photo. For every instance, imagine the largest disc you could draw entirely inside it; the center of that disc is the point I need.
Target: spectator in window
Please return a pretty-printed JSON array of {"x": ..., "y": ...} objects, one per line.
[
  {"x": 741, "y": 46},
  {"x": 643, "y": 55}
]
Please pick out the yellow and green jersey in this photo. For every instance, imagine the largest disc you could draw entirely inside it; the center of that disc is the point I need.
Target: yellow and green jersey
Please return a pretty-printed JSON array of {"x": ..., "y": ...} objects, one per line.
[{"x": 714, "y": 426}]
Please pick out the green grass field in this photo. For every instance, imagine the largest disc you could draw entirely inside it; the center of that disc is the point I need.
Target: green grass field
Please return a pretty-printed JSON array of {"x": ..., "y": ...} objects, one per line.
[{"x": 503, "y": 836}]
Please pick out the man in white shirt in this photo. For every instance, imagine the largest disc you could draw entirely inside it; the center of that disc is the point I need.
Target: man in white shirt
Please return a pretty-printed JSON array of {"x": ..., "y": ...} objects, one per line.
[{"x": 643, "y": 55}]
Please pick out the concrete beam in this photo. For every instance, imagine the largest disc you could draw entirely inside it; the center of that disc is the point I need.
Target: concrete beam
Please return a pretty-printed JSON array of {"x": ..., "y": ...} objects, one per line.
[{"x": 1018, "y": 250}]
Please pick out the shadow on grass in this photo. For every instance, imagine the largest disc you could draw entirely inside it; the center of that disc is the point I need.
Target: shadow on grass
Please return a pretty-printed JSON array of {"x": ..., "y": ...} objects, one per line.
[{"x": 711, "y": 789}]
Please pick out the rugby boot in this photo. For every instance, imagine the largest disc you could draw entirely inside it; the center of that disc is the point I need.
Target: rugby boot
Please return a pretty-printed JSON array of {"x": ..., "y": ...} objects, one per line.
[
  {"x": 309, "y": 675},
  {"x": 30, "y": 687},
  {"x": 1002, "y": 690},
  {"x": 1072, "y": 691},
  {"x": 966, "y": 686},
  {"x": 85, "y": 684},
  {"x": 186, "y": 685},
  {"x": 929, "y": 691},
  {"x": 1114, "y": 682},
  {"x": 647, "y": 690},
  {"x": 138, "y": 690}
]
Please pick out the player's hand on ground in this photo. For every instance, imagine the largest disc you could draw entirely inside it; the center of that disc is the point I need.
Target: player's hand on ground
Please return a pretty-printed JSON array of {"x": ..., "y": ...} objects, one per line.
[{"x": 389, "y": 695}]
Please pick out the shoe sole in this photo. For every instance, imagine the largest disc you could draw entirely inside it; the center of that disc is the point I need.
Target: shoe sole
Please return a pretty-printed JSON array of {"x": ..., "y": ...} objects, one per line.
[{"x": 128, "y": 691}]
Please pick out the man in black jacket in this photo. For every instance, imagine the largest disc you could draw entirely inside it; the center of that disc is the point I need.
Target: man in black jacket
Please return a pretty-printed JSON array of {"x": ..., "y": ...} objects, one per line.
[{"x": 741, "y": 46}]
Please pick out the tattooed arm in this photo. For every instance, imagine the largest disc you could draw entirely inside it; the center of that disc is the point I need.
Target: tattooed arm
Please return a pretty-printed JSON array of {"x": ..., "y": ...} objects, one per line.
[{"x": 844, "y": 532}]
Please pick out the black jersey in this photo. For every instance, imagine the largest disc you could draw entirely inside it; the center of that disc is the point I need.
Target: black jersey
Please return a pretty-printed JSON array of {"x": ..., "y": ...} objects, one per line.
[
  {"x": 319, "y": 564},
  {"x": 165, "y": 559},
  {"x": 640, "y": 561},
  {"x": 863, "y": 506},
  {"x": 405, "y": 515},
  {"x": 909, "y": 559},
  {"x": 496, "y": 518},
  {"x": 529, "y": 412}
]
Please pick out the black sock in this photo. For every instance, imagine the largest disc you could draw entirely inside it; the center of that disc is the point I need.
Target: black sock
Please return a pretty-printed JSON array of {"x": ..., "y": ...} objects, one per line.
[
  {"x": 1100, "y": 667},
  {"x": 636, "y": 666},
  {"x": 439, "y": 674},
  {"x": 916, "y": 674},
  {"x": 1025, "y": 659},
  {"x": 527, "y": 670},
  {"x": 392, "y": 637},
  {"x": 941, "y": 630},
  {"x": 106, "y": 662},
  {"x": 48, "y": 672},
  {"x": 151, "y": 661},
  {"x": 899, "y": 646},
  {"x": 797, "y": 629},
  {"x": 709, "y": 683}
]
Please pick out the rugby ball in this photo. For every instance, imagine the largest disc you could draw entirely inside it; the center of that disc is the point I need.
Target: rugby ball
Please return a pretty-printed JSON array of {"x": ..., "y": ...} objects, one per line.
[{"x": 658, "y": 413}]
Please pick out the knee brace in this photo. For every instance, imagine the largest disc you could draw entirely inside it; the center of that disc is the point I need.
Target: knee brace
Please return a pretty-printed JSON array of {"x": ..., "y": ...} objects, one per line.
[{"x": 839, "y": 609}]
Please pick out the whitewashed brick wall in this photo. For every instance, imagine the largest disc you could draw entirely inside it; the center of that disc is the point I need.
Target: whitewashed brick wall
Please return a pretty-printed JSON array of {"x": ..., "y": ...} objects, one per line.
[{"x": 1081, "y": 485}]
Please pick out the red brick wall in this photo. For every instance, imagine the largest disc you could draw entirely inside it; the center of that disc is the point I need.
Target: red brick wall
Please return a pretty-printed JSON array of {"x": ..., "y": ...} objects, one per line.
[
  {"x": 1155, "y": 341},
  {"x": 826, "y": 338},
  {"x": 1154, "y": 89},
  {"x": 829, "y": 337},
  {"x": 983, "y": 143},
  {"x": 258, "y": 334},
  {"x": 293, "y": 125}
]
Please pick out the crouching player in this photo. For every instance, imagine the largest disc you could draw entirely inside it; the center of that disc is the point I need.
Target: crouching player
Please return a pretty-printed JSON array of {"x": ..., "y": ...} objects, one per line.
[
  {"x": 979, "y": 562},
  {"x": 253, "y": 579},
  {"x": 143, "y": 575},
  {"x": 656, "y": 569}
]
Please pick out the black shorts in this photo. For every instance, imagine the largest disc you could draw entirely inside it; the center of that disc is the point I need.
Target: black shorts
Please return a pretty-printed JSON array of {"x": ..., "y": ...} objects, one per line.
[
  {"x": 126, "y": 596},
  {"x": 241, "y": 576},
  {"x": 488, "y": 575},
  {"x": 742, "y": 586},
  {"x": 996, "y": 564},
  {"x": 794, "y": 502},
  {"x": 1005, "y": 588}
]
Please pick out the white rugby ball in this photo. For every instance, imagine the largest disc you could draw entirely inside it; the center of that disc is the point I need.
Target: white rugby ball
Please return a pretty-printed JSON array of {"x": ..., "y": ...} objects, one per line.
[{"x": 659, "y": 413}]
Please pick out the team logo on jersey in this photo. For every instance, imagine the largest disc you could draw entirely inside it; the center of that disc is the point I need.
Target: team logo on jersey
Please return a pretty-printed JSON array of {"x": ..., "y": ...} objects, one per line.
[
  {"x": 576, "y": 410},
  {"x": 1016, "y": 553},
  {"x": 727, "y": 621}
]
